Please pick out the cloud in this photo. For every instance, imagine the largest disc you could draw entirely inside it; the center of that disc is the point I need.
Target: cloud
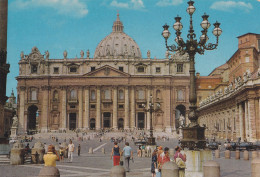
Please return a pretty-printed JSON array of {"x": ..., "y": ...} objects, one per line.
[
  {"x": 164, "y": 3},
  {"x": 74, "y": 8},
  {"x": 132, "y": 4},
  {"x": 231, "y": 5}
]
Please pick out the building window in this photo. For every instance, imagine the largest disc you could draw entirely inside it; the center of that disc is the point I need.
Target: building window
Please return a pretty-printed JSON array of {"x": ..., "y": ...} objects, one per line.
[
  {"x": 34, "y": 69},
  {"x": 179, "y": 68},
  {"x": 55, "y": 95},
  {"x": 158, "y": 94},
  {"x": 56, "y": 70},
  {"x": 73, "y": 94},
  {"x": 158, "y": 69},
  {"x": 121, "y": 94},
  {"x": 93, "y": 68},
  {"x": 141, "y": 94},
  {"x": 180, "y": 95},
  {"x": 120, "y": 106},
  {"x": 73, "y": 69},
  {"x": 140, "y": 106},
  {"x": 33, "y": 95},
  {"x": 107, "y": 94},
  {"x": 93, "y": 106},
  {"x": 72, "y": 106},
  {"x": 93, "y": 95},
  {"x": 121, "y": 68},
  {"x": 247, "y": 59},
  {"x": 140, "y": 69}
]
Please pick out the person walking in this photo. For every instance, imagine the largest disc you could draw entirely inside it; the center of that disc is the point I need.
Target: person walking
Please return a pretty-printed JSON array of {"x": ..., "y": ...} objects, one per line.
[
  {"x": 128, "y": 154},
  {"x": 61, "y": 154},
  {"x": 154, "y": 164},
  {"x": 180, "y": 161},
  {"x": 79, "y": 150},
  {"x": 71, "y": 150},
  {"x": 51, "y": 157},
  {"x": 115, "y": 154}
]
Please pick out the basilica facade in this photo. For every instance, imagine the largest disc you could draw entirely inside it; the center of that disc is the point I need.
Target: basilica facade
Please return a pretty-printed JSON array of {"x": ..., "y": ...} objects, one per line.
[{"x": 108, "y": 91}]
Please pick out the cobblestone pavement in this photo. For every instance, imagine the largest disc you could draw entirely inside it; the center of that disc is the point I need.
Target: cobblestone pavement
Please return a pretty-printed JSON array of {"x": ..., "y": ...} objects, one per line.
[{"x": 99, "y": 165}]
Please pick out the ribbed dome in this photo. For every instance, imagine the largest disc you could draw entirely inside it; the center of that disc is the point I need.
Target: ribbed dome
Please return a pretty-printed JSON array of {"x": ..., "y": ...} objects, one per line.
[{"x": 117, "y": 44}]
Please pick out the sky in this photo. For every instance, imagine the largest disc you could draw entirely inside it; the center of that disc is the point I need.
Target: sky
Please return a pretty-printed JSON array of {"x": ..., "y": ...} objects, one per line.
[{"x": 75, "y": 25}]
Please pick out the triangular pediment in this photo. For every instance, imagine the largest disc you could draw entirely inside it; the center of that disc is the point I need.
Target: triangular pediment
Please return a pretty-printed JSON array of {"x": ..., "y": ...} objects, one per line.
[{"x": 107, "y": 71}]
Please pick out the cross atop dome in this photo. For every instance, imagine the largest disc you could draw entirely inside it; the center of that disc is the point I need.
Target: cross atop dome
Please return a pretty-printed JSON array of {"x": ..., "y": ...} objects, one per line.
[{"x": 118, "y": 25}]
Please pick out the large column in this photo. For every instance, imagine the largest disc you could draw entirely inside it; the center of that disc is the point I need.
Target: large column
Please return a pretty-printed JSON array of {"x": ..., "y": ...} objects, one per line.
[
  {"x": 167, "y": 109},
  {"x": 98, "y": 110},
  {"x": 148, "y": 117},
  {"x": 246, "y": 121},
  {"x": 45, "y": 109},
  {"x": 63, "y": 124},
  {"x": 22, "y": 128},
  {"x": 80, "y": 108},
  {"x": 252, "y": 120},
  {"x": 115, "y": 108},
  {"x": 132, "y": 119},
  {"x": 241, "y": 129},
  {"x": 126, "y": 121},
  {"x": 86, "y": 117}
]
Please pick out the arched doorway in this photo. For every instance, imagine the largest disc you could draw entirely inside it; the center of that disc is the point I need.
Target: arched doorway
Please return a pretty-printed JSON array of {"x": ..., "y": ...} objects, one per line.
[
  {"x": 180, "y": 110},
  {"x": 106, "y": 120},
  {"x": 140, "y": 120},
  {"x": 32, "y": 119},
  {"x": 92, "y": 124},
  {"x": 121, "y": 123}
]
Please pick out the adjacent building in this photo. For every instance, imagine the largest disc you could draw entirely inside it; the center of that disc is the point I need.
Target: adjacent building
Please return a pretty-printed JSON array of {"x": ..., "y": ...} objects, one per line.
[
  {"x": 229, "y": 98},
  {"x": 107, "y": 91}
]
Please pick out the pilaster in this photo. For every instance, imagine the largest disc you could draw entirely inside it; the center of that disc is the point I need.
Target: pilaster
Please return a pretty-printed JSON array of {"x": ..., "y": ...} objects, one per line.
[
  {"x": 115, "y": 108},
  {"x": 80, "y": 97},
  {"x": 86, "y": 117},
  {"x": 148, "y": 117},
  {"x": 98, "y": 110},
  {"x": 132, "y": 119},
  {"x": 241, "y": 130},
  {"x": 21, "y": 110},
  {"x": 45, "y": 109},
  {"x": 64, "y": 109},
  {"x": 252, "y": 120},
  {"x": 126, "y": 121}
]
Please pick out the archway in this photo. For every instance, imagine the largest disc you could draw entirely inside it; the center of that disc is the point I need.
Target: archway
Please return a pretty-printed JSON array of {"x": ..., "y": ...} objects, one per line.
[
  {"x": 179, "y": 110},
  {"x": 121, "y": 123},
  {"x": 31, "y": 119},
  {"x": 92, "y": 124}
]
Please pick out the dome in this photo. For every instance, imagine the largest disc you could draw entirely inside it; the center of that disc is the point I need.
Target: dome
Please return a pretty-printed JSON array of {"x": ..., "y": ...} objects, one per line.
[{"x": 117, "y": 44}]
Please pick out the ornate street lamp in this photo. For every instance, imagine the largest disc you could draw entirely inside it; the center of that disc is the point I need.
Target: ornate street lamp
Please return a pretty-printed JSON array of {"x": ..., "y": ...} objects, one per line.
[
  {"x": 193, "y": 134},
  {"x": 150, "y": 108}
]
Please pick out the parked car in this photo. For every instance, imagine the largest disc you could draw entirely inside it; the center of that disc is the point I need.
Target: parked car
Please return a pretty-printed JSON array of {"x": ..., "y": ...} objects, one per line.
[
  {"x": 232, "y": 146},
  {"x": 213, "y": 145},
  {"x": 249, "y": 146}
]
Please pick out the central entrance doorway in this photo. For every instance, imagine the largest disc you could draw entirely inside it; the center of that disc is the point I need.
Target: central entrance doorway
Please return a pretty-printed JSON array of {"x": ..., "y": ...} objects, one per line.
[
  {"x": 106, "y": 120},
  {"x": 140, "y": 121},
  {"x": 72, "y": 121},
  {"x": 31, "y": 119}
]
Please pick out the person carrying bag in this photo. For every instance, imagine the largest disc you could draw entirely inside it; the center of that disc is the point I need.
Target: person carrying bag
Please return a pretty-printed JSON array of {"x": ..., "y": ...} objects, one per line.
[{"x": 180, "y": 161}]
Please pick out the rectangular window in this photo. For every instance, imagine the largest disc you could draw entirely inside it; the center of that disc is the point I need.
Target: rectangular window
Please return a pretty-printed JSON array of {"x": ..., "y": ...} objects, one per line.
[
  {"x": 93, "y": 68},
  {"x": 179, "y": 68},
  {"x": 92, "y": 106},
  {"x": 141, "y": 94},
  {"x": 56, "y": 70},
  {"x": 73, "y": 70},
  {"x": 107, "y": 94},
  {"x": 158, "y": 69},
  {"x": 140, "y": 106},
  {"x": 34, "y": 69},
  {"x": 140, "y": 69},
  {"x": 72, "y": 106},
  {"x": 180, "y": 96},
  {"x": 34, "y": 95},
  {"x": 247, "y": 59},
  {"x": 93, "y": 95},
  {"x": 121, "y": 68},
  {"x": 121, "y": 106}
]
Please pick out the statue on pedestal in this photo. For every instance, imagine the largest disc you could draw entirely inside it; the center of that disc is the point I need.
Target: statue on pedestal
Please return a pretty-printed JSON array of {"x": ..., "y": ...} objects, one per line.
[{"x": 181, "y": 121}]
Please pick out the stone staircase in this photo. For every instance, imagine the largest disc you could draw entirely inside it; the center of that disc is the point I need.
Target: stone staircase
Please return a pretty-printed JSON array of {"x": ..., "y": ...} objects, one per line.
[
  {"x": 28, "y": 159},
  {"x": 4, "y": 159}
]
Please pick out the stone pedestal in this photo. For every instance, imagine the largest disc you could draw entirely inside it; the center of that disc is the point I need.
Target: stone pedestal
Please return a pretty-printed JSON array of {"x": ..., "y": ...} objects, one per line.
[
  {"x": 246, "y": 155},
  {"x": 217, "y": 154},
  {"x": 38, "y": 153},
  {"x": 48, "y": 171},
  {"x": 227, "y": 154},
  {"x": 13, "y": 135},
  {"x": 255, "y": 167},
  {"x": 170, "y": 169},
  {"x": 17, "y": 154},
  {"x": 254, "y": 154},
  {"x": 211, "y": 169},
  {"x": 237, "y": 154},
  {"x": 195, "y": 160},
  {"x": 117, "y": 171},
  {"x": 90, "y": 150},
  {"x": 180, "y": 133}
]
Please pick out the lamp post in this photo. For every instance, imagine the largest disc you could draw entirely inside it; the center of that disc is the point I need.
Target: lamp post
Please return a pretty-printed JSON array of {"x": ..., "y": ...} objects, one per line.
[
  {"x": 193, "y": 134},
  {"x": 150, "y": 108}
]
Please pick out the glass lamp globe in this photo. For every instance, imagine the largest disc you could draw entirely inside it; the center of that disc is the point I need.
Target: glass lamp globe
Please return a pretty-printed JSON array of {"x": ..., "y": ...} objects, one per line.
[
  {"x": 178, "y": 26},
  {"x": 217, "y": 31},
  {"x": 191, "y": 9},
  {"x": 166, "y": 34},
  {"x": 205, "y": 24}
]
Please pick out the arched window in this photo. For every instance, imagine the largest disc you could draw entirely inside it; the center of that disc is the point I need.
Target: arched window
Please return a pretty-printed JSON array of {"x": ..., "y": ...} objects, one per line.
[
  {"x": 141, "y": 94},
  {"x": 55, "y": 95},
  {"x": 93, "y": 95},
  {"x": 73, "y": 94},
  {"x": 33, "y": 95},
  {"x": 121, "y": 94},
  {"x": 107, "y": 94}
]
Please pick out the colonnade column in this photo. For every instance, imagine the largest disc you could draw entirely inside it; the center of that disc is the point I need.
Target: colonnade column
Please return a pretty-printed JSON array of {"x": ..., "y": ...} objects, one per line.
[
  {"x": 115, "y": 108},
  {"x": 241, "y": 129},
  {"x": 246, "y": 120},
  {"x": 44, "y": 115},
  {"x": 98, "y": 111},
  {"x": 126, "y": 121},
  {"x": 80, "y": 108},
  {"x": 86, "y": 117},
  {"x": 64, "y": 109},
  {"x": 148, "y": 117},
  {"x": 21, "y": 110},
  {"x": 252, "y": 120},
  {"x": 132, "y": 119}
]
